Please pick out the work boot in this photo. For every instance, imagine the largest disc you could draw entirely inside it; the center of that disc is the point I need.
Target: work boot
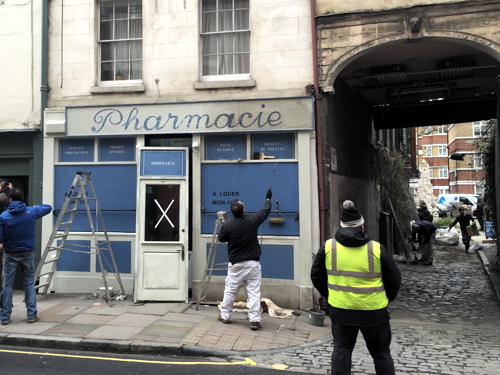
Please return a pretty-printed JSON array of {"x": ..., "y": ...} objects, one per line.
[
  {"x": 225, "y": 321},
  {"x": 255, "y": 326}
]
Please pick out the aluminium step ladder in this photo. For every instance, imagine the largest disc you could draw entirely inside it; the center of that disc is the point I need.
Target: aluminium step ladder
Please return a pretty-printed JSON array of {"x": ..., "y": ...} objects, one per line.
[
  {"x": 212, "y": 253},
  {"x": 57, "y": 243}
]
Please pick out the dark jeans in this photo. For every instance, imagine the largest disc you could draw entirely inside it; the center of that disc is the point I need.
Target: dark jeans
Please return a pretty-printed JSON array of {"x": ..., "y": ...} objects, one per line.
[{"x": 378, "y": 340}]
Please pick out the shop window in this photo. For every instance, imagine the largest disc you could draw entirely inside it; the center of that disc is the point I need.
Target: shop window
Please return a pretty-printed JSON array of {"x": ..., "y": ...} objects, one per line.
[
  {"x": 225, "y": 39},
  {"x": 116, "y": 149},
  {"x": 225, "y": 147},
  {"x": 76, "y": 150},
  {"x": 120, "y": 41},
  {"x": 273, "y": 146}
]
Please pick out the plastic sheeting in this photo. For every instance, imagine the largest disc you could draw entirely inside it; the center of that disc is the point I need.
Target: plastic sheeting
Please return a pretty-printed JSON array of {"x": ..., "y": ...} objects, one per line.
[{"x": 445, "y": 237}]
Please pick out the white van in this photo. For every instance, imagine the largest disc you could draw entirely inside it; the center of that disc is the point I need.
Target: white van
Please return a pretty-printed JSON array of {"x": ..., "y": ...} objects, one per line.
[{"x": 447, "y": 202}]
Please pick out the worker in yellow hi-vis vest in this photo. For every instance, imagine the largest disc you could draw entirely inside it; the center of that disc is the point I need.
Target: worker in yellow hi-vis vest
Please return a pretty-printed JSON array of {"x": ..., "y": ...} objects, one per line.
[{"x": 359, "y": 278}]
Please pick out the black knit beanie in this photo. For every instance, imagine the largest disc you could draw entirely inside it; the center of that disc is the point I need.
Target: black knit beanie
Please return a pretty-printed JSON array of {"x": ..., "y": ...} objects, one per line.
[{"x": 350, "y": 216}]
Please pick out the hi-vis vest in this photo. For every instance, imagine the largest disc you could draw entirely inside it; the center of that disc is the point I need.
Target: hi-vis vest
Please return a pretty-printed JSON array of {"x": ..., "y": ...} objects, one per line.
[{"x": 355, "y": 276}]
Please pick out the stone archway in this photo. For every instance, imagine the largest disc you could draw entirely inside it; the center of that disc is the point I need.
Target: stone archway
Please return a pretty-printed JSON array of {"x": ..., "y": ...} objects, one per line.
[{"x": 460, "y": 45}]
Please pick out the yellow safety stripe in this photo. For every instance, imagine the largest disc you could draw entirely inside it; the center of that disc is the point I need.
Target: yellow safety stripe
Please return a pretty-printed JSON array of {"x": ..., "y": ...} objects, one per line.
[{"x": 364, "y": 275}]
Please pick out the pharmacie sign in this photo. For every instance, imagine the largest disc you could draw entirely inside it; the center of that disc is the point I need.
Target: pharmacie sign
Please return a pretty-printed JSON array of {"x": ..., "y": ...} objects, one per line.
[{"x": 192, "y": 117}]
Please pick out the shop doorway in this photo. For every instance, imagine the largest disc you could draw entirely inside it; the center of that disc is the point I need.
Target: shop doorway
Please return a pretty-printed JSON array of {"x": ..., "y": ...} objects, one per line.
[{"x": 162, "y": 225}]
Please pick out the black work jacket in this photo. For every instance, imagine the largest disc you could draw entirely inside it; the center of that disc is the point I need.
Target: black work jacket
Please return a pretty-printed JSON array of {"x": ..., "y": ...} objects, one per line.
[{"x": 241, "y": 235}]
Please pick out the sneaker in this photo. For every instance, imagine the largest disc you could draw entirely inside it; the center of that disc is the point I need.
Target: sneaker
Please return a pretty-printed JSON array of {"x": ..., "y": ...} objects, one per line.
[
  {"x": 255, "y": 326},
  {"x": 32, "y": 320},
  {"x": 225, "y": 321},
  {"x": 5, "y": 322}
]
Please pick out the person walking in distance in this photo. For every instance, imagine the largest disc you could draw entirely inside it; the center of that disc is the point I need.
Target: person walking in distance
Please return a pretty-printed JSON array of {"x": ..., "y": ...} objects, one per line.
[
  {"x": 17, "y": 236},
  {"x": 244, "y": 251},
  {"x": 359, "y": 278},
  {"x": 464, "y": 220}
]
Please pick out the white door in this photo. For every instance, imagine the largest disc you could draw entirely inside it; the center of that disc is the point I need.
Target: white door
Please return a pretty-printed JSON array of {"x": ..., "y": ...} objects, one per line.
[{"x": 162, "y": 230}]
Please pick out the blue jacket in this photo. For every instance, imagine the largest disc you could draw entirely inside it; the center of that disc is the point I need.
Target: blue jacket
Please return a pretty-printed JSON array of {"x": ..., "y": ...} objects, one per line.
[{"x": 17, "y": 225}]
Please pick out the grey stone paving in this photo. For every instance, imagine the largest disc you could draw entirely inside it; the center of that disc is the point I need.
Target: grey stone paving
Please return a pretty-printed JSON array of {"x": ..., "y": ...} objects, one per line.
[{"x": 446, "y": 320}]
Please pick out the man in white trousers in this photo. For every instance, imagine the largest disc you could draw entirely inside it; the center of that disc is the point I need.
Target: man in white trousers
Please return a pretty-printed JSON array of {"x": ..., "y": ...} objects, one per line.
[{"x": 241, "y": 234}]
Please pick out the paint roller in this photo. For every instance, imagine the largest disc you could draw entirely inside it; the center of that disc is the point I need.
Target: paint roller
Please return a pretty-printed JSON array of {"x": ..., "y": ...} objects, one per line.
[{"x": 278, "y": 218}]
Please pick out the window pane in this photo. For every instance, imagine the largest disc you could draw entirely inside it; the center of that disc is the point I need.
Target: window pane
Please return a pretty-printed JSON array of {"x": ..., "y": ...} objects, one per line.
[
  {"x": 136, "y": 70},
  {"x": 107, "y": 72},
  {"x": 121, "y": 31},
  {"x": 242, "y": 42},
  {"x": 208, "y": 5},
  {"x": 135, "y": 10},
  {"x": 121, "y": 9},
  {"x": 225, "y": 4},
  {"x": 210, "y": 44},
  {"x": 136, "y": 28},
  {"x": 209, "y": 65},
  {"x": 241, "y": 20},
  {"x": 226, "y": 64},
  {"x": 209, "y": 22},
  {"x": 106, "y": 52},
  {"x": 225, "y": 43},
  {"x": 242, "y": 63},
  {"x": 238, "y": 4},
  {"x": 105, "y": 31},
  {"x": 225, "y": 21},
  {"x": 106, "y": 12},
  {"x": 121, "y": 50},
  {"x": 136, "y": 50}
]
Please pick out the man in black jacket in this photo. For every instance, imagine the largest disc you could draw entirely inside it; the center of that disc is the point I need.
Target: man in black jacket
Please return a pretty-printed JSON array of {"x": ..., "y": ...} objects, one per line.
[
  {"x": 244, "y": 255},
  {"x": 464, "y": 220},
  {"x": 359, "y": 278}
]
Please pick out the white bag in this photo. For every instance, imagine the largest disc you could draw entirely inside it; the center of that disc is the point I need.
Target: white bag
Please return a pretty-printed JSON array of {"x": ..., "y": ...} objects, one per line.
[{"x": 443, "y": 237}]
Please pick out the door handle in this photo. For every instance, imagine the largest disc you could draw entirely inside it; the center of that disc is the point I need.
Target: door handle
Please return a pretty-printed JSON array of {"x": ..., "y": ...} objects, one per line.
[{"x": 183, "y": 252}]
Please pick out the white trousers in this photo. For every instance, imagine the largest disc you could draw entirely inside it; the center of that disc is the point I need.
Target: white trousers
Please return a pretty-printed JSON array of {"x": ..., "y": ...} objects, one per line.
[{"x": 247, "y": 274}]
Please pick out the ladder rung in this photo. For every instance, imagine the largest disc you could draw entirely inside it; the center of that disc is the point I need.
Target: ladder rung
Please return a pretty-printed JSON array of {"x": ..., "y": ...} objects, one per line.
[
  {"x": 71, "y": 210},
  {"x": 65, "y": 223},
  {"x": 41, "y": 285},
  {"x": 47, "y": 273},
  {"x": 51, "y": 261}
]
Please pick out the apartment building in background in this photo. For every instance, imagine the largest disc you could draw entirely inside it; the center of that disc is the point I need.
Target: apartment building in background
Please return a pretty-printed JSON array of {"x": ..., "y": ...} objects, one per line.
[{"x": 449, "y": 153}]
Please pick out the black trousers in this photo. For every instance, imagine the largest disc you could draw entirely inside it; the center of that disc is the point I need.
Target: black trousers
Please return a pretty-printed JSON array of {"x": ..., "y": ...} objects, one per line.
[{"x": 378, "y": 341}]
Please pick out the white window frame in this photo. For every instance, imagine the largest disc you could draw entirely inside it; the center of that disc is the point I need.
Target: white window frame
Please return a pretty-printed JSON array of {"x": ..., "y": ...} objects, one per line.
[
  {"x": 223, "y": 77},
  {"x": 479, "y": 128},
  {"x": 442, "y": 150},
  {"x": 442, "y": 129},
  {"x": 444, "y": 191},
  {"x": 443, "y": 172},
  {"x": 127, "y": 62},
  {"x": 478, "y": 161},
  {"x": 428, "y": 150}
]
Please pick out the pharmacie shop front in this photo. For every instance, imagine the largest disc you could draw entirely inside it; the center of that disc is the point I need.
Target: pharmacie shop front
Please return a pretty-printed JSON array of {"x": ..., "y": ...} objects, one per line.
[{"x": 161, "y": 172}]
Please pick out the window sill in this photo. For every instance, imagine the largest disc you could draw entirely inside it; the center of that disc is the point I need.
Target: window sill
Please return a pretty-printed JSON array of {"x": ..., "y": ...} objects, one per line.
[
  {"x": 117, "y": 89},
  {"x": 208, "y": 85}
]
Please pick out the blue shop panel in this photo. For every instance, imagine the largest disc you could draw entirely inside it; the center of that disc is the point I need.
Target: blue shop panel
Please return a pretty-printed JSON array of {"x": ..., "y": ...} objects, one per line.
[
  {"x": 278, "y": 146},
  {"x": 249, "y": 182},
  {"x": 163, "y": 163},
  {"x": 76, "y": 150},
  {"x": 77, "y": 260},
  {"x": 117, "y": 149},
  {"x": 277, "y": 261},
  {"x": 115, "y": 188},
  {"x": 122, "y": 251},
  {"x": 225, "y": 147}
]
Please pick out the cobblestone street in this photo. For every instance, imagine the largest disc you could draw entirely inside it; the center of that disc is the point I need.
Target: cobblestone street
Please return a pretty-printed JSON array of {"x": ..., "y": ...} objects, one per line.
[{"x": 446, "y": 320}]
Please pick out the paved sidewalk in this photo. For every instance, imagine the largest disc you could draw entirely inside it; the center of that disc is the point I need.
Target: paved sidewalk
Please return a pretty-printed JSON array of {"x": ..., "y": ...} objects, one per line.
[{"x": 75, "y": 322}]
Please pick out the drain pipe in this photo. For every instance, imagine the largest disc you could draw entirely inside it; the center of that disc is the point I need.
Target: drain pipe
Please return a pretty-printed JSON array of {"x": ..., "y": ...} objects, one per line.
[
  {"x": 44, "y": 57},
  {"x": 317, "y": 117}
]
